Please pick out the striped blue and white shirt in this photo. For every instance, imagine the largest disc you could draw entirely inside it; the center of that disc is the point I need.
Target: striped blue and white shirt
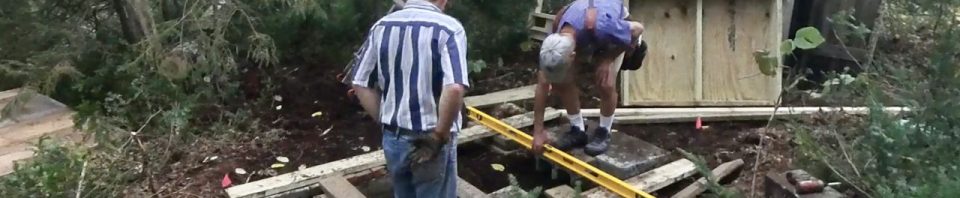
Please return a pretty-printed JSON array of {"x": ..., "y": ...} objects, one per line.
[{"x": 410, "y": 55}]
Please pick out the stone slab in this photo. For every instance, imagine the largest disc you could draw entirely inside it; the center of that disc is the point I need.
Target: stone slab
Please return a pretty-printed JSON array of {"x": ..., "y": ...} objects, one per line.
[
  {"x": 629, "y": 156},
  {"x": 562, "y": 191}
]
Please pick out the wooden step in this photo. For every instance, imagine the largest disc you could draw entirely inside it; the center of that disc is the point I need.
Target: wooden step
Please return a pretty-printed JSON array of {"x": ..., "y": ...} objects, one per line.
[
  {"x": 20, "y": 132},
  {"x": 338, "y": 187},
  {"x": 7, "y": 161},
  {"x": 7, "y": 96}
]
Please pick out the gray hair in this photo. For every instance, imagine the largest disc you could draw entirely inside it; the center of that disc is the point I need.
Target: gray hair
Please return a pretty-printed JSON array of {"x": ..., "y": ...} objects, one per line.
[{"x": 553, "y": 55}]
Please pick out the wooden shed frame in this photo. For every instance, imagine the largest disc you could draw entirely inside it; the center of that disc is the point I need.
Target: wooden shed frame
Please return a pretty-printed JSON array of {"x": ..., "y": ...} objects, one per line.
[{"x": 700, "y": 52}]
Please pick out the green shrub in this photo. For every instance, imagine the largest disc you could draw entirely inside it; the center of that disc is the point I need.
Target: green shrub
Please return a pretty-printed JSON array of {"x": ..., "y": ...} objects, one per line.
[{"x": 909, "y": 155}]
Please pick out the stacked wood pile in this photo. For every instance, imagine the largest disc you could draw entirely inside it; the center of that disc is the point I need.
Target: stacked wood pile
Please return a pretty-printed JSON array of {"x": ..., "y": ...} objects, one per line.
[{"x": 28, "y": 116}]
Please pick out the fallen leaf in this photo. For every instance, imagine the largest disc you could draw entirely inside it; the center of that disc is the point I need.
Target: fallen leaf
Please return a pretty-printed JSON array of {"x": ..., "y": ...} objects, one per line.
[
  {"x": 498, "y": 167},
  {"x": 277, "y": 165},
  {"x": 283, "y": 159},
  {"x": 240, "y": 171},
  {"x": 210, "y": 159},
  {"x": 316, "y": 114},
  {"x": 226, "y": 181},
  {"x": 326, "y": 131}
]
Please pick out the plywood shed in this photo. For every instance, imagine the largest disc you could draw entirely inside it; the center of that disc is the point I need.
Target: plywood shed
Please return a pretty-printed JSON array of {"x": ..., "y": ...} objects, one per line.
[{"x": 700, "y": 52}]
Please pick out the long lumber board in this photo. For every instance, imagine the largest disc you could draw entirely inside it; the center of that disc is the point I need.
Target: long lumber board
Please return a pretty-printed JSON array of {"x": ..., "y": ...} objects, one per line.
[
  {"x": 652, "y": 180},
  {"x": 338, "y": 187},
  {"x": 734, "y": 110},
  {"x": 510, "y": 95},
  {"x": 699, "y": 186},
  {"x": 7, "y": 96},
  {"x": 307, "y": 178}
]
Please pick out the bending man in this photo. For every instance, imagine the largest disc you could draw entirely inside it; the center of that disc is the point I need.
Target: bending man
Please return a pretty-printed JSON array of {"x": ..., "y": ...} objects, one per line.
[{"x": 594, "y": 33}]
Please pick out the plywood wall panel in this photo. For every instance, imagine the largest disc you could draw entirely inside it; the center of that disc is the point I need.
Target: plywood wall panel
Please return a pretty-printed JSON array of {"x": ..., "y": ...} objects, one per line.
[
  {"x": 668, "y": 72},
  {"x": 732, "y": 31}
]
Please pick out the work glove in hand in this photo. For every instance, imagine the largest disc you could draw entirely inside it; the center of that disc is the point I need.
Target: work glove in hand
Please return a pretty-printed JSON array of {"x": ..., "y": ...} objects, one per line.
[{"x": 425, "y": 148}]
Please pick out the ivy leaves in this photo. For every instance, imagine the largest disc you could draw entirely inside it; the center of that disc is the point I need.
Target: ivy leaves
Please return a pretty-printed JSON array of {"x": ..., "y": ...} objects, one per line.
[{"x": 806, "y": 38}]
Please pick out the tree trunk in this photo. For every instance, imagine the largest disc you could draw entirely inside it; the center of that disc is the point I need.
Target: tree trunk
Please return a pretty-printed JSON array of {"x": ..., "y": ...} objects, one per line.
[
  {"x": 172, "y": 9},
  {"x": 126, "y": 24},
  {"x": 135, "y": 19}
]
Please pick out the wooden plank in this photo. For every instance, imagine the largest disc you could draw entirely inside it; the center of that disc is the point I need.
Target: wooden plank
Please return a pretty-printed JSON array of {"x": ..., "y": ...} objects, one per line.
[
  {"x": 7, "y": 96},
  {"x": 562, "y": 191},
  {"x": 510, "y": 95},
  {"x": 338, "y": 187},
  {"x": 702, "y": 103},
  {"x": 775, "y": 86},
  {"x": 299, "y": 180},
  {"x": 698, "y": 68},
  {"x": 699, "y": 186},
  {"x": 26, "y": 131},
  {"x": 672, "y": 118},
  {"x": 467, "y": 190},
  {"x": 7, "y": 161},
  {"x": 668, "y": 71},
  {"x": 733, "y": 110},
  {"x": 293, "y": 181},
  {"x": 736, "y": 30},
  {"x": 517, "y": 121},
  {"x": 652, "y": 180}
]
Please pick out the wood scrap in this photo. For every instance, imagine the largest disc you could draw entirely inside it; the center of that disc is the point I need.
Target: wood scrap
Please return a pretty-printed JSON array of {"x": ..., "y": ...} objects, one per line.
[
  {"x": 652, "y": 180},
  {"x": 7, "y": 96},
  {"x": 510, "y": 95},
  {"x": 306, "y": 179},
  {"x": 338, "y": 187},
  {"x": 699, "y": 186}
]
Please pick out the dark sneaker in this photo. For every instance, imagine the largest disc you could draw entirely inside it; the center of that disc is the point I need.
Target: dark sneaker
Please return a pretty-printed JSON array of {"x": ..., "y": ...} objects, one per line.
[
  {"x": 574, "y": 138},
  {"x": 599, "y": 143}
]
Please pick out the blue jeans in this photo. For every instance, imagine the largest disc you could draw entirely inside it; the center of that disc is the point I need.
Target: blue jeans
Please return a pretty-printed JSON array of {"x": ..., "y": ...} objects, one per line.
[{"x": 435, "y": 178}]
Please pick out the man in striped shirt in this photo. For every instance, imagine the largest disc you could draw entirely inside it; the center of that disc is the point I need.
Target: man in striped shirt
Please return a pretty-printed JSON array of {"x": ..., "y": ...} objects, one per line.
[{"x": 410, "y": 77}]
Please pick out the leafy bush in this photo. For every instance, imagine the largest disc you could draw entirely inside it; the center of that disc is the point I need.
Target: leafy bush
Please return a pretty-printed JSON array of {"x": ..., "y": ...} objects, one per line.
[{"x": 909, "y": 155}]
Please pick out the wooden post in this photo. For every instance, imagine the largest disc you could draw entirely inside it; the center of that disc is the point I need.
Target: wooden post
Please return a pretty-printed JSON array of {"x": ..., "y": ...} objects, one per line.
[
  {"x": 698, "y": 56},
  {"x": 776, "y": 40}
]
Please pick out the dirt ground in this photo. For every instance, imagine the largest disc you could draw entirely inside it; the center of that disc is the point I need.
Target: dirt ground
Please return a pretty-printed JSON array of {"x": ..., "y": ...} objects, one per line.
[{"x": 308, "y": 140}]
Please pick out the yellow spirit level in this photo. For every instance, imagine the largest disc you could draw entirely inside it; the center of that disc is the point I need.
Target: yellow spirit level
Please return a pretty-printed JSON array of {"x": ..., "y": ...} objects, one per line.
[{"x": 557, "y": 156}]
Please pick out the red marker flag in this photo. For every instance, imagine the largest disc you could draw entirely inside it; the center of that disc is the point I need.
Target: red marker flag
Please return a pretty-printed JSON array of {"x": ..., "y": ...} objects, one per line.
[
  {"x": 699, "y": 124},
  {"x": 226, "y": 181}
]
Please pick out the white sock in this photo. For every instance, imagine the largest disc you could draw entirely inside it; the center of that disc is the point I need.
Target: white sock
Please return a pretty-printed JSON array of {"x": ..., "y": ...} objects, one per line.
[
  {"x": 577, "y": 120},
  {"x": 606, "y": 122}
]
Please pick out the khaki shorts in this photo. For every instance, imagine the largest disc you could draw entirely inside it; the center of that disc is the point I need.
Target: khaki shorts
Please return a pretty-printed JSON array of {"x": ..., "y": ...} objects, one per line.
[{"x": 586, "y": 60}]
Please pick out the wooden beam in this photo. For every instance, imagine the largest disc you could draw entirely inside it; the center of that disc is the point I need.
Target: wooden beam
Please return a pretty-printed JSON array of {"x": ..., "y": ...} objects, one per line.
[
  {"x": 517, "y": 121},
  {"x": 734, "y": 110},
  {"x": 652, "y": 180},
  {"x": 7, "y": 161},
  {"x": 338, "y": 187},
  {"x": 674, "y": 118},
  {"x": 467, "y": 190},
  {"x": 7, "y": 96},
  {"x": 510, "y": 95},
  {"x": 699, "y": 186},
  {"x": 306, "y": 179},
  {"x": 698, "y": 55}
]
